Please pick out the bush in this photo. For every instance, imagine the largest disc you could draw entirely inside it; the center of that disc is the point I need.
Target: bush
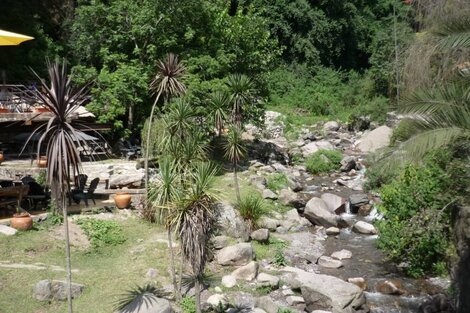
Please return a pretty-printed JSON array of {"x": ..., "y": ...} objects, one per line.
[
  {"x": 102, "y": 233},
  {"x": 415, "y": 228},
  {"x": 402, "y": 132},
  {"x": 188, "y": 305},
  {"x": 323, "y": 161},
  {"x": 277, "y": 181},
  {"x": 251, "y": 208}
]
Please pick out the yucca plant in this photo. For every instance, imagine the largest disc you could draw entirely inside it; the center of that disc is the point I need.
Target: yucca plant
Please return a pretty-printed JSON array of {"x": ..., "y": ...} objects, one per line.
[
  {"x": 166, "y": 83},
  {"x": 194, "y": 219},
  {"x": 61, "y": 135},
  {"x": 241, "y": 92},
  {"x": 251, "y": 208},
  {"x": 219, "y": 103},
  {"x": 139, "y": 296},
  {"x": 235, "y": 151}
]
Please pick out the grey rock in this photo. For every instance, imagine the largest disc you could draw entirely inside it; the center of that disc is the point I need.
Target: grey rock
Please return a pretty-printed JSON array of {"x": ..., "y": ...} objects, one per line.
[
  {"x": 258, "y": 180},
  {"x": 313, "y": 147},
  {"x": 336, "y": 204},
  {"x": 258, "y": 310},
  {"x": 220, "y": 242},
  {"x": 217, "y": 300},
  {"x": 46, "y": 290},
  {"x": 260, "y": 235},
  {"x": 279, "y": 167},
  {"x": 229, "y": 281},
  {"x": 267, "y": 304},
  {"x": 264, "y": 279},
  {"x": 126, "y": 180},
  {"x": 342, "y": 254},
  {"x": 332, "y": 231},
  {"x": 295, "y": 300},
  {"x": 376, "y": 139},
  {"x": 318, "y": 213},
  {"x": 293, "y": 184},
  {"x": 348, "y": 163},
  {"x": 247, "y": 272},
  {"x": 231, "y": 222},
  {"x": 331, "y": 126},
  {"x": 282, "y": 230},
  {"x": 287, "y": 197},
  {"x": 269, "y": 223},
  {"x": 358, "y": 281},
  {"x": 356, "y": 201},
  {"x": 362, "y": 227},
  {"x": 269, "y": 194},
  {"x": 241, "y": 299},
  {"x": 6, "y": 230},
  {"x": 150, "y": 304},
  {"x": 239, "y": 254},
  {"x": 327, "y": 262},
  {"x": 340, "y": 296},
  {"x": 42, "y": 290}
]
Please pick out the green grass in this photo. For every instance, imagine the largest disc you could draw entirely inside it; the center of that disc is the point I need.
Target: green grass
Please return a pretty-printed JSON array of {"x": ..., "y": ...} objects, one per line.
[
  {"x": 323, "y": 161},
  {"x": 268, "y": 251},
  {"x": 224, "y": 187},
  {"x": 105, "y": 273},
  {"x": 277, "y": 181}
]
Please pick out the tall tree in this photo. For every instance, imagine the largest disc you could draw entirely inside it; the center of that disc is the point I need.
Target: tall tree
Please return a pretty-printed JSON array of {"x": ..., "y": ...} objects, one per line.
[
  {"x": 241, "y": 90},
  {"x": 61, "y": 136}
]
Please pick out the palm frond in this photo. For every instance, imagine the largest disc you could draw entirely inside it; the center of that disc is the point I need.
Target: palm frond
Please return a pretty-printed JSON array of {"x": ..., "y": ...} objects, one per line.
[
  {"x": 234, "y": 146},
  {"x": 453, "y": 30},
  {"x": 138, "y": 296},
  {"x": 167, "y": 82},
  {"x": 241, "y": 89}
]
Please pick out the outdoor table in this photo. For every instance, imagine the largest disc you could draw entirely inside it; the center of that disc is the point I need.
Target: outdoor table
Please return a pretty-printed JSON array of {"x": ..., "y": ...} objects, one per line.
[{"x": 14, "y": 194}]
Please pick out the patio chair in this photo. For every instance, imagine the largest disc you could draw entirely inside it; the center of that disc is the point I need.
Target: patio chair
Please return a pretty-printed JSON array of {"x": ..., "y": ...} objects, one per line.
[
  {"x": 36, "y": 194},
  {"x": 89, "y": 194}
]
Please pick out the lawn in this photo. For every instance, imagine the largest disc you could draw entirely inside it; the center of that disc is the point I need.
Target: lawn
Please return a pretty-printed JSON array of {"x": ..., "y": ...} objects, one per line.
[{"x": 105, "y": 273}]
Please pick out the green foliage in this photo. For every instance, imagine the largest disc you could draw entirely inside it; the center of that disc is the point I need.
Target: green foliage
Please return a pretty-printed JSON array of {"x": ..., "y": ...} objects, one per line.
[
  {"x": 251, "y": 208},
  {"x": 402, "y": 132},
  {"x": 413, "y": 204},
  {"x": 41, "y": 178},
  {"x": 188, "y": 305},
  {"x": 323, "y": 161},
  {"x": 101, "y": 232},
  {"x": 284, "y": 310},
  {"x": 279, "y": 258},
  {"x": 276, "y": 181}
]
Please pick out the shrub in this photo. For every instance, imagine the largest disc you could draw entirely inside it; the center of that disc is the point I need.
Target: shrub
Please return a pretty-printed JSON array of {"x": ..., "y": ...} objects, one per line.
[
  {"x": 277, "y": 181},
  {"x": 251, "y": 208},
  {"x": 323, "y": 161},
  {"x": 188, "y": 305},
  {"x": 415, "y": 228},
  {"x": 402, "y": 132},
  {"x": 102, "y": 233}
]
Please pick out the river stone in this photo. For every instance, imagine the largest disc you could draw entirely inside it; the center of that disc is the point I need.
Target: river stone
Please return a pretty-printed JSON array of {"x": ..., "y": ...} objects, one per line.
[
  {"x": 358, "y": 281},
  {"x": 320, "y": 311},
  {"x": 376, "y": 139},
  {"x": 326, "y": 261},
  {"x": 339, "y": 296},
  {"x": 293, "y": 184},
  {"x": 269, "y": 223},
  {"x": 331, "y": 126},
  {"x": 264, "y": 279},
  {"x": 388, "y": 287},
  {"x": 348, "y": 163},
  {"x": 315, "y": 146},
  {"x": 335, "y": 203},
  {"x": 356, "y": 200},
  {"x": 362, "y": 227},
  {"x": 46, "y": 290},
  {"x": 269, "y": 194},
  {"x": 247, "y": 272},
  {"x": 149, "y": 303},
  {"x": 217, "y": 300},
  {"x": 295, "y": 300},
  {"x": 287, "y": 197},
  {"x": 220, "y": 242},
  {"x": 258, "y": 181},
  {"x": 318, "y": 213},
  {"x": 6, "y": 230},
  {"x": 231, "y": 222},
  {"x": 239, "y": 254},
  {"x": 267, "y": 304},
  {"x": 258, "y": 310},
  {"x": 342, "y": 254},
  {"x": 229, "y": 281},
  {"x": 260, "y": 235},
  {"x": 332, "y": 231},
  {"x": 126, "y": 180}
]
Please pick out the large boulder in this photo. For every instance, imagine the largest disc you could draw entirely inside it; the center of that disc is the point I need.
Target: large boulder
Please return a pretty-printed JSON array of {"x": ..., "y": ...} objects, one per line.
[
  {"x": 267, "y": 304},
  {"x": 247, "y": 272},
  {"x": 318, "y": 213},
  {"x": 126, "y": 180},
  {"x": 338, "y": 297},
  {"x": 148, "y": 303},
  {"x": 331, "y": 126},
  {"x": 267, "y": 280},
  {"x": 269, "y": 194},
  {"x": 362, "y": 227},
  {"x": 46, "y": 290},
  {"x": 287, "y": 197},
  {"x": 239, "y": 254},
  {"x": 336, "y": 204},
  {"x": 267, "y": 151},
  {"x": 356, "y": 201},
  {"x": 348, "y": 163},
  {"x": 231, "y": 222},
  {"x": 260, "y": 235},
  {"x": 376, "y": 139},
  {"x": 6, "y": 230},
  {"x": 315, "y": 146}
]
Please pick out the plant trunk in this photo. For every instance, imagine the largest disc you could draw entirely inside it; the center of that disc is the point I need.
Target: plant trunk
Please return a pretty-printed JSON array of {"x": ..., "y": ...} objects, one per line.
[
  {"x": 197, "y": 295},
  {"x": 172, "y": 265},
  {"x": 180, "y": 277},
  {"x": 67, "y": 252},
  {"x": 235, "y": 176},
  {"x": 147, "y": 148}
]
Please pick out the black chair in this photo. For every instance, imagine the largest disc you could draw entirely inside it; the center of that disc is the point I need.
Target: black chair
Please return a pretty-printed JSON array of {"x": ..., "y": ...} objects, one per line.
[
  {"x": 36, "y": 194},
  {"x": 80, "y": 185},
  {"x": 89, "y": 194}
]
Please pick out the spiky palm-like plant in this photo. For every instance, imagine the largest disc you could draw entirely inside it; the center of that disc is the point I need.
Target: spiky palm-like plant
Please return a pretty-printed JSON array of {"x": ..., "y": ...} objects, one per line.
[
  {"x": 241, "y": 91},
  {"x": 194, "y": 220},
  {"x": 61, "y": 135},
  {"x": 234, "y": 151},
  {"x": 166, "y": 83},
  {"x": 219, "y": 103},
  {"x": 139, "y": 296}
]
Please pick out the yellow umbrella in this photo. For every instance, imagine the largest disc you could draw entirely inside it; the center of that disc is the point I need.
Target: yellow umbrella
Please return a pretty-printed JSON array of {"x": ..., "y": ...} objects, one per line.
[{"x": 12, "y": 39}]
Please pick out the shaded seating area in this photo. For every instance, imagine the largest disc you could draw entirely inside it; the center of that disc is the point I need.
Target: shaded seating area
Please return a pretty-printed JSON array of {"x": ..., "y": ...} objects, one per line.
[
  {"x": 86, "y": 194},
  {"x": 12, "y": 196}
]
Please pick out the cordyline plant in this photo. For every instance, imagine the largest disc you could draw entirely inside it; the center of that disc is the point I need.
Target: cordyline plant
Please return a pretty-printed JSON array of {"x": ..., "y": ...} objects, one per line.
[{"x": 61, "y": 135}]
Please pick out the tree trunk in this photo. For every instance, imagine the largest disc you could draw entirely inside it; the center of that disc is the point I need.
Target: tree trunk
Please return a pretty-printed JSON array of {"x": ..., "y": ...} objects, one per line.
[
  {"x": 172, "y": 265},
  {"x": 147, "y": 148},
  {"x": 197, "y": 295},
  {"x": 180, "y": 277},
  {"x": 67, "y": 252},
  {"x": 235, "y": 176}
]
